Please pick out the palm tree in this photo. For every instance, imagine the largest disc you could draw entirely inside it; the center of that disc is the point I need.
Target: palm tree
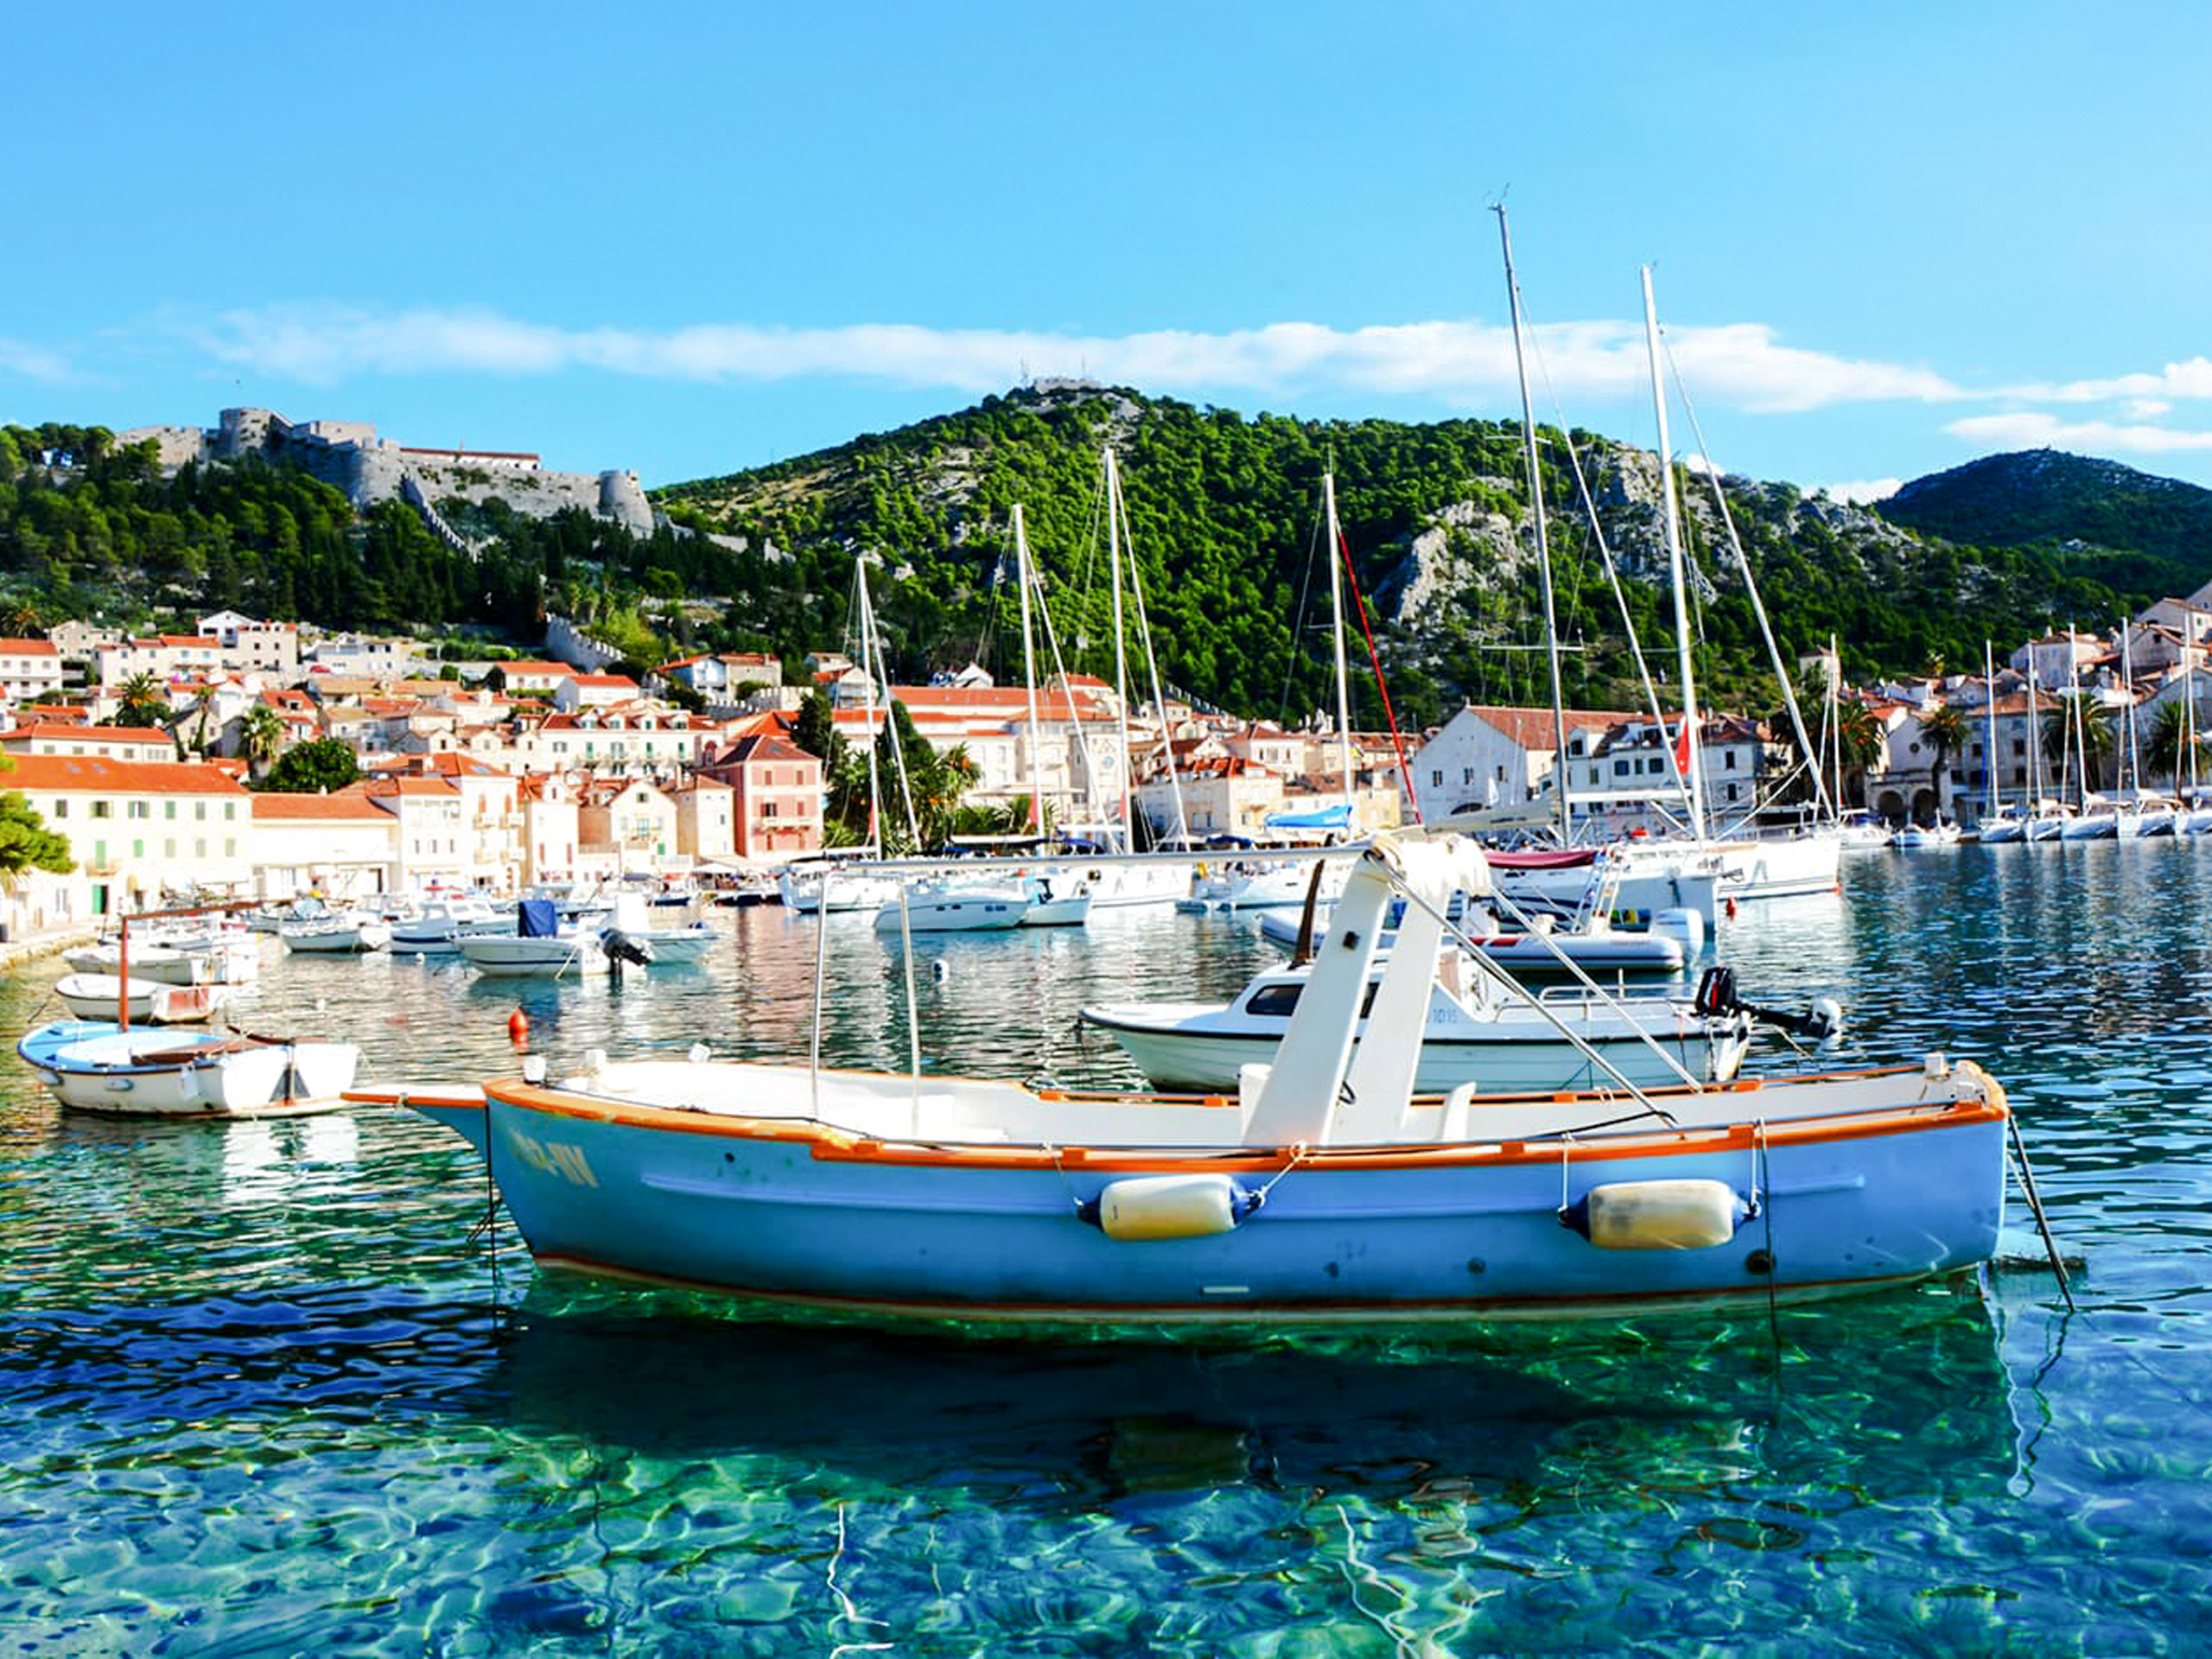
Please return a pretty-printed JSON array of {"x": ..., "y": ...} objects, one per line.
[
  {"x": 203, "y": 709},
  {"x": 261, "y": 734},
  {"x": 1945, "y": 727},
  {"x": 143, "y": 702},
  {"x": 2059, "y": 736},
  {"x": 1859, "y": 737},
  {"x": 2166, "y": 750}
]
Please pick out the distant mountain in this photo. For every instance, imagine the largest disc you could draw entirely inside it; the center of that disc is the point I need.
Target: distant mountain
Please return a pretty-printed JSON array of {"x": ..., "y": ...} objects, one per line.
[{"x": 2134, "y": 530}]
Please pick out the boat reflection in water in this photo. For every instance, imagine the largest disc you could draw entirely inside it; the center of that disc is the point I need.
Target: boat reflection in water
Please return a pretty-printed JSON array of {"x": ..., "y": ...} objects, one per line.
[{"x": 1905, "y": 1397}]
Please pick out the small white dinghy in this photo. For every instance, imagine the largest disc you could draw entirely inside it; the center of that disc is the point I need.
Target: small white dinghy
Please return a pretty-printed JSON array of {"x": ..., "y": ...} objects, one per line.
[
  {"x": 96, "y": 996},
  {"x": 93, "y": 1065}
]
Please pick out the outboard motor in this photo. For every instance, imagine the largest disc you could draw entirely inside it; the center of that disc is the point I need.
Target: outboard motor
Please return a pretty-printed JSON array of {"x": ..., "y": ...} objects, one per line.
[
  {"x": 1716, "y": 997},
  {"x": 620, "y": 948}
]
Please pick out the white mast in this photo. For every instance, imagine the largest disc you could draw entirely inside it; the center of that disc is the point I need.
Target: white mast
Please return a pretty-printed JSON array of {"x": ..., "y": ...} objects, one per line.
[
  {"x": 1989, "y": 672},
  {"x": 1544, "y": 549},
  {"x": 1121, "y": 648},
  {"x": 1695, "y": 767},
  {"x": 1152, "y": 665},
  {"x": 872, "y": 649},
  {"x": 1029, "y": 673},
  {"x": 2081, "y": 727},
  {"x": 1835, "y": 718},
  {"x": 2134, "y": 756},
  {"x": 1336, "y": 612},
  {"x": 2189, "y": 725},
  {"x": 2035, "y": 741},
  {"x": 867, "y": 705}
]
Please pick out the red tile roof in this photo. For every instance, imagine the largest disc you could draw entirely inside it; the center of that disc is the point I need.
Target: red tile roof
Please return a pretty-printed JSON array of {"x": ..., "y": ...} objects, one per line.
[
  {"x": 1532, "y": 727},
  {"x": 88, "y": 771},
  {"x": 411, "y": 786},
  {"x": 27, "y": 648},
  {"x": 346, "y": 803},
  {"x": 79, "y": 732}
]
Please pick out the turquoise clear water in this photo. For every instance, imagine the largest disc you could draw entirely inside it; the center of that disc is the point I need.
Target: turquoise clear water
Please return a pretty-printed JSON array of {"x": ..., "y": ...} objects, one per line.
[{"x": 265, "y": 1388}]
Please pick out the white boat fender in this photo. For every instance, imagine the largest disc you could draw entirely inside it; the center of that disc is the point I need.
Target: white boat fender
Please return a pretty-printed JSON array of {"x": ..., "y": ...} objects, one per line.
[
  {"x": 1170, "y": 1206},
  {"x": 1665, "y": 1215}
]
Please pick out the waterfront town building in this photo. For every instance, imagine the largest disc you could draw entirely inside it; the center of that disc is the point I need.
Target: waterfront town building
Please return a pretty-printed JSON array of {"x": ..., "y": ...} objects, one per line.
[
  {"x": 31, "y": 670},
  {"x": 706, "y": 820},
  {"x": 138, "y": 829},
  {"x": 552, "y": 771},
  {"x": 75, "y": 737},
  {"x": 775, "y": 797}
]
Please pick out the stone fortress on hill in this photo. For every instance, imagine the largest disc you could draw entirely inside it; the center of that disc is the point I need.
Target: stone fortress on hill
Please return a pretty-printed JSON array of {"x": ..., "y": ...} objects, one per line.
[{"x": 350, "y": 456}]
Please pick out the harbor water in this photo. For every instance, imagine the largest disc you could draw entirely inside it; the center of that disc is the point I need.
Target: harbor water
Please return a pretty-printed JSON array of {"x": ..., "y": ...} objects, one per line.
[{"x": 294, "y": 1386}]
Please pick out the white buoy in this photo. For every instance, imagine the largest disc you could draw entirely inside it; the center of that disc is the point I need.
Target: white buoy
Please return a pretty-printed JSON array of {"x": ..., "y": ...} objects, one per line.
[{"x": 699, "y": 1053}]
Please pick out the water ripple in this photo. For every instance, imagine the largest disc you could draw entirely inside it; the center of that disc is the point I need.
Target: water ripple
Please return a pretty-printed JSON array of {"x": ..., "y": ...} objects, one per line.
[{"x": 266, "y": 1395}]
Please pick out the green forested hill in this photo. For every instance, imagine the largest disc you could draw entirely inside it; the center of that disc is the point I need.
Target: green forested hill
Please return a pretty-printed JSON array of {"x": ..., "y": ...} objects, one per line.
[
  {"x": 1223, "y": 509},
  {"x": 2144, "y": 532},
  {"x": 1223, "y": 514}
]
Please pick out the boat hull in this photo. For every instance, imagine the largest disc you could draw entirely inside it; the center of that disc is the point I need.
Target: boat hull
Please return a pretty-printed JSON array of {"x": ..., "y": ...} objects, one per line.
[
  {"x": 1507, "y": 1065},
  {"x": 156, "y": 965},
  {"x": 351, "y": 939},
  {"x": 972, "y": 913},
  {"x": 509, "y": 956},
  {"x": 95, "y": 996},
  {"x": 676, "y": 944},
  {"x": 93, "y": 1066},
  {"x": 1529, "y": 956},
  {"x": 778, "y": 1212}
]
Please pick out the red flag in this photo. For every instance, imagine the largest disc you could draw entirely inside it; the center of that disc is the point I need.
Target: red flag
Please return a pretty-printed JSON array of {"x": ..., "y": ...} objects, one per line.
[{"x": 1682, "y": 746}]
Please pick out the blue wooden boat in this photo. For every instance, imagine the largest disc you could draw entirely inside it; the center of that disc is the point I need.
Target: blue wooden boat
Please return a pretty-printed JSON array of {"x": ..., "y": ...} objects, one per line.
[{"x": 1322, "y": 1189}]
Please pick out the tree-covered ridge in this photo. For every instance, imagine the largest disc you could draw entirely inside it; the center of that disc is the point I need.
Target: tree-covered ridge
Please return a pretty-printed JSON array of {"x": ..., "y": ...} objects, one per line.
[
  {"x": 1223, "y": 511},
  {"x": 1222, "y": 517},
  {"x": 2155, "y": 530}
]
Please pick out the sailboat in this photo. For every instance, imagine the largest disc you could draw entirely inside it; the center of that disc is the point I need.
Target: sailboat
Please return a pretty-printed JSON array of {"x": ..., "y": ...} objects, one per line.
[
  {"x": 2046, "y": 816},
  {"x": 1261, "y": 882},
  {"x": 1739, "y": 867}
]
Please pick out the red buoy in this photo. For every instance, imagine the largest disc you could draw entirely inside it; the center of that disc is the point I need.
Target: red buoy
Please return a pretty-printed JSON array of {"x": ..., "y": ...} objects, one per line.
[
  {"x": 1732, "y": 912},
  {"x": 518, "y": 1028}
]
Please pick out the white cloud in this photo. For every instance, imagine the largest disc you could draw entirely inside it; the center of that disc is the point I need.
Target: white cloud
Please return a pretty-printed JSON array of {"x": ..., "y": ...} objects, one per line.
[
  {"x": 2189, "y": 380},
  {"x": 1860, "y": 491},
  {"x": 2039, "y": 429},
  {"x": 1468, "y": 363},
  {"x": 30, "y": 362}
]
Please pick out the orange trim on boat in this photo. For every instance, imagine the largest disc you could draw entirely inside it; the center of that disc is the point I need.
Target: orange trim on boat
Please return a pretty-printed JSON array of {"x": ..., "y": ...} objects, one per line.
[{"x": 828, "y": 1144}]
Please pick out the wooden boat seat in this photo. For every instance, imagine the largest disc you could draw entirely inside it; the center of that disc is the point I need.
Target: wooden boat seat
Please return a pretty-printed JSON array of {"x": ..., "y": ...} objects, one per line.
[{"x": 185, "y": 1053}]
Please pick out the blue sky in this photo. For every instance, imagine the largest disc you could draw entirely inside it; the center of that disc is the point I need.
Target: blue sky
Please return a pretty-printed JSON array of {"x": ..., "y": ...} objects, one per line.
[{"x": 687, "y": 238}]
